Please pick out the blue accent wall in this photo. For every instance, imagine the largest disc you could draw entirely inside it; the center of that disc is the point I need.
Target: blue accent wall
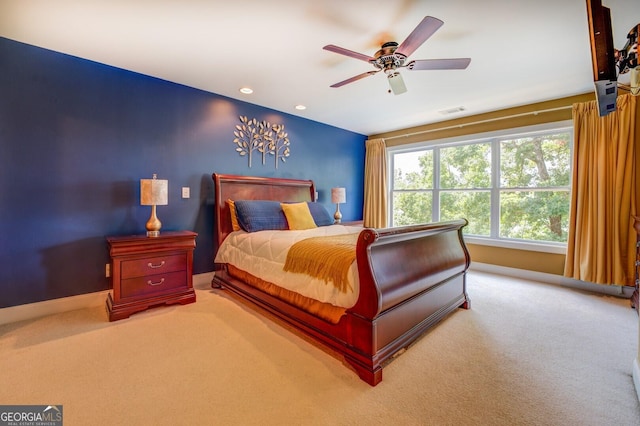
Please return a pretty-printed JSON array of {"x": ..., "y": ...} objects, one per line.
[{"x": 77, "y": 136}]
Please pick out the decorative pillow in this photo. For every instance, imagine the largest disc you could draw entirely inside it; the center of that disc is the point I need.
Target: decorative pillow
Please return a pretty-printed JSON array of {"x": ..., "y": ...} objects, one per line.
[
  {"x": 234, "y": 216},
  {"x": 298, "y": 215},
  {"x": 320, "y": 215},
  {"x": 260, "y": 215}
]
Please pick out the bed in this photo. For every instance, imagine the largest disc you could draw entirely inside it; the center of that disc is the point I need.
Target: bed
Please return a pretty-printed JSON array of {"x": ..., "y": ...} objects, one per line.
[{"x": 408, "y": 278}]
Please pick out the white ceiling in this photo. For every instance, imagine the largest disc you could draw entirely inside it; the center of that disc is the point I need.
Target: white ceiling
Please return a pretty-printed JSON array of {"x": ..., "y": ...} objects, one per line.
[{"x": 522, "y": 51}]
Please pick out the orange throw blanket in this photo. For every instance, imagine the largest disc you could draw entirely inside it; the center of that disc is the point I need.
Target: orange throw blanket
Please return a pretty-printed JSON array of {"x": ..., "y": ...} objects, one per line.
[{"x": 326, "y": 258}]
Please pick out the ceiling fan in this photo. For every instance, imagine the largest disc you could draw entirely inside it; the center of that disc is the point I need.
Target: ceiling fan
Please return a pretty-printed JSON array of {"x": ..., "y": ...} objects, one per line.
[{"x": 392, "y": 56}]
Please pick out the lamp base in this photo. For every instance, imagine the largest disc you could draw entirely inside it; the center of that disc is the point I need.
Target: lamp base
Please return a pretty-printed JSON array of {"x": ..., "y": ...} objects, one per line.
[
  {"x": 153, "y": 224},
  {"x": 337, "y": 217}
]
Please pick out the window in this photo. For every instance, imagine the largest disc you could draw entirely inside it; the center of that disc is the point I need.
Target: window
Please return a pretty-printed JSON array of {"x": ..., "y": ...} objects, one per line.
[{"x": 510, "y": 187}]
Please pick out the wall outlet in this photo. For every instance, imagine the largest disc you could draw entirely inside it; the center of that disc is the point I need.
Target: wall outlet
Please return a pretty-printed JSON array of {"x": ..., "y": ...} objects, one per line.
[
  {"x": 107, "y": 270},
  {"x": 186, "y": 192}
]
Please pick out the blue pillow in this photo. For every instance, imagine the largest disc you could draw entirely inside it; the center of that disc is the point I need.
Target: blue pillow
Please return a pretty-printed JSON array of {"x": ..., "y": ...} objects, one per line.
[
  {"x": 260, "y": 215},
  {"x": 320, "y": 215}
]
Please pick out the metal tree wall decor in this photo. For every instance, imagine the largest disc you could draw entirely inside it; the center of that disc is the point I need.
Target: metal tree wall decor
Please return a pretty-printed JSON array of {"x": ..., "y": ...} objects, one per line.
[{"x": 263, "y": 137}]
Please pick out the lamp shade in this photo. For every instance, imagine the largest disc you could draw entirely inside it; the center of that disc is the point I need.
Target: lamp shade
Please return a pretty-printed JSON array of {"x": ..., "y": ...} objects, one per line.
[
  {"x": 154, "y": 192},
  {"x": 338, "y": 195}
]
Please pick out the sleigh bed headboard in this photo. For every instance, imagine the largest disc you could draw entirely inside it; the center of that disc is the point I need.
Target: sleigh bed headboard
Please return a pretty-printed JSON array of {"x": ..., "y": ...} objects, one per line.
[{"x": 236, "y": 187}]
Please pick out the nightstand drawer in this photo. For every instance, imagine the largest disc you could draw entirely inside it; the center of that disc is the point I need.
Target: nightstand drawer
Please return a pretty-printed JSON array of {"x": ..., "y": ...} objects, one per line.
[
  {"x": 153, "y": 266},
  {"x": 152, "y": 284}
]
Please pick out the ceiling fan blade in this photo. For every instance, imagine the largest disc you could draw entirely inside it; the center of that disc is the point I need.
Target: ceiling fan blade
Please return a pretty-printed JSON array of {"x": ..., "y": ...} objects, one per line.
[
  {"x": 347, "y": 52},
  {"x": 439, "y": 64},
  {"x": 355, "y": 78},
  {"x": 419, "y": 35},
  {"x": 396, "y": 82}
]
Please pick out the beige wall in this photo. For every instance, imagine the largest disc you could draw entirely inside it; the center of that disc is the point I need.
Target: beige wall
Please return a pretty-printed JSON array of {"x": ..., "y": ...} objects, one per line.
[
  {"x": 549, "y": 263},
  {"x": 526, "y": 115}
]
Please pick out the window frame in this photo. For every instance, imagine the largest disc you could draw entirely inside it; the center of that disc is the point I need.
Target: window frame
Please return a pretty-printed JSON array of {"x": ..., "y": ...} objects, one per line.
[{"x": 494, "y": 139}]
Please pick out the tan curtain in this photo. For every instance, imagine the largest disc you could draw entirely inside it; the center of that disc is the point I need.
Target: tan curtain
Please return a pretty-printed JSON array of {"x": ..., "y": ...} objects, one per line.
[
  {"x": 601, "y": 244},
  {"x": 375, "y": 184}
]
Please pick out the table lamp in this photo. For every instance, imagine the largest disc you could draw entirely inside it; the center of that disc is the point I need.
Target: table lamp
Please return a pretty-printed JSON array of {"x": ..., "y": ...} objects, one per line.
[
  {"x": 338, "y": 195},
  {"x": 154, "y": 192}
]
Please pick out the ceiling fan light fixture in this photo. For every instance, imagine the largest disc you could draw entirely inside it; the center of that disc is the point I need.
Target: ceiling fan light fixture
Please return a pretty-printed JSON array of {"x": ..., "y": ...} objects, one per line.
[{"x": 396, "y": 82}]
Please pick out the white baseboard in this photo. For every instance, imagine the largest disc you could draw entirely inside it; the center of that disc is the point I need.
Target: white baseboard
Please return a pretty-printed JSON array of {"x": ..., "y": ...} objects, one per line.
[
  {"x": 612, "y": 290},
  {"x": 82, "y": 301},
  {"x": 636, "y": 375},
  {"x": 53, "y": 306}
]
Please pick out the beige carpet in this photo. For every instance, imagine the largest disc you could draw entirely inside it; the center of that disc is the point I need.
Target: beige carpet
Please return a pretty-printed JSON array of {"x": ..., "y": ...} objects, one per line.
[{"x": 525, "y": 354}]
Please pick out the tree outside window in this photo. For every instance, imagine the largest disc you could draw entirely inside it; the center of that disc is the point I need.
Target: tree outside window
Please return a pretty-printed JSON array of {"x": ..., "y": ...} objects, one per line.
[{"x": 508, "y": 188}]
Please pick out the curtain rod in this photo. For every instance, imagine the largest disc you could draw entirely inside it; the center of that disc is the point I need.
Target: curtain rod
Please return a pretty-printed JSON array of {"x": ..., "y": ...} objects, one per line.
[{"x": 488, "y": 120}]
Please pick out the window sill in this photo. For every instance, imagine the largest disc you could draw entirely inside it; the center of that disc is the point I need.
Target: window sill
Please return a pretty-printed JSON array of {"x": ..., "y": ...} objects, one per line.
[{"x": 556, "y": 248}]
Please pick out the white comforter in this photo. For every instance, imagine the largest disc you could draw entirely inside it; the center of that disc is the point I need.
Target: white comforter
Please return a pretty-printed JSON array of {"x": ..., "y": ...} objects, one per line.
[{"x": 263, "y": 255}]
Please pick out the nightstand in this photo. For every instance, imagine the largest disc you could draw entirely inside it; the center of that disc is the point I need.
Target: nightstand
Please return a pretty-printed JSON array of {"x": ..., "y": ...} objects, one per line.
[{"x": 150, "y": 271}]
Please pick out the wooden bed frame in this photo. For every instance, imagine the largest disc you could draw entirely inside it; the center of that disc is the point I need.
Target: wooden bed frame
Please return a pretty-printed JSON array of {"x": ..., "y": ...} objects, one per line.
[{"x": 410, "y": 278}]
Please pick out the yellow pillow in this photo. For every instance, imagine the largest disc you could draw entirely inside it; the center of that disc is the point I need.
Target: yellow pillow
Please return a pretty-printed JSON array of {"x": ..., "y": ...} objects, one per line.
[
  {"x": 234, "y": 216},
  {"x": 298, "y": 215}
]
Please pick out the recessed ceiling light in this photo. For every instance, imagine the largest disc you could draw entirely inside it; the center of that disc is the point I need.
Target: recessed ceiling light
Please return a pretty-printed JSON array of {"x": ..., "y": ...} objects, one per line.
[
  {"x": 246, "y": 90},
  {"x": 301, "y": 107}
]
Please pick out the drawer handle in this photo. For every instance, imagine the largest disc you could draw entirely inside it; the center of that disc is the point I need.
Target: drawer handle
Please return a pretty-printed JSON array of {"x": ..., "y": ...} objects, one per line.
[
  {"x": 156, "y": 283},
  {"x": 152, "y": 266}
]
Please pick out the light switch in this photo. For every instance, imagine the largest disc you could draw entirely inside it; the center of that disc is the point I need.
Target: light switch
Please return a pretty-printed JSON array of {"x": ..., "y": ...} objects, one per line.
[{"x": 186, "y": 193}]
